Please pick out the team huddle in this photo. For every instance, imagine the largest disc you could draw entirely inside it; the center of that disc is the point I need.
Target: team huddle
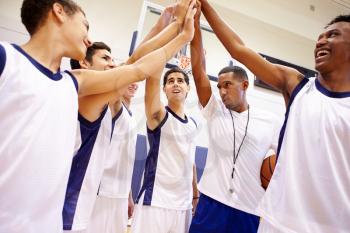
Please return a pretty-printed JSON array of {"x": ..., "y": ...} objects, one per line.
[{"x": 67, "y": 138}]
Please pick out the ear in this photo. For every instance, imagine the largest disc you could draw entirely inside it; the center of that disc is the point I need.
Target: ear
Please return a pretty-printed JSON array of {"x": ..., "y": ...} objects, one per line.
[
  {"x": 58, "y": 12},
  {"x": 84, "y": 64},
  {"x": 245, "y": 84}
]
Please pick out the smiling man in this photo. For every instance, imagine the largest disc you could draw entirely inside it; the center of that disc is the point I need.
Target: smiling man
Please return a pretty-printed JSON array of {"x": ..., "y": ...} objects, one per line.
[{"x": 310, "y": 188}]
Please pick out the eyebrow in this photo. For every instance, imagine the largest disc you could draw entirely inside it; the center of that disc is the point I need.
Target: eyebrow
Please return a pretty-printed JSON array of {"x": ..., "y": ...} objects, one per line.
[
  {"x": 87, "y": 24},
  {"x": 327, "y": 32}
]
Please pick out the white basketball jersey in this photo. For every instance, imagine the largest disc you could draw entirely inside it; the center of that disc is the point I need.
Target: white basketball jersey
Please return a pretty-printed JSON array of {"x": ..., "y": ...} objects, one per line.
[
  {"x": 38, "y": 121},
  {"x": 93, "y": 139},
  {"x": 167, "y": 181},
  {"x": 244, "y": 191},
  {"x": 310, "y": 188},
  {"x": 117, "y": 176}
]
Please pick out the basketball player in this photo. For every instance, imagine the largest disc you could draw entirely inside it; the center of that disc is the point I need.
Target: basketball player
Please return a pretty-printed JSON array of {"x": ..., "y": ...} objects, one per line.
[
  {"x": 164, "y": 202},
  {"x": 240, "y": 136},
  {"x": 92, "y": 143},
  {"x": 40, "y": 107},
  {"x": 310, "y": 189},
  {"x": 114, "y": 203},
  {"x": 89, "y": 161},
  {"x": 94, "y": 138}
]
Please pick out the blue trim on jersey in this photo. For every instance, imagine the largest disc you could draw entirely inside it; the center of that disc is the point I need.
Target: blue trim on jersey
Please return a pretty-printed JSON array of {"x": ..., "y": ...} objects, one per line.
[
  {"x": 57, "y": 76},
  {"x": 151, "y": 163},
  {"x": 329, "y": 93},
  {"x": 292, "y": 97},
  {"x": 74, "y": 80},
  {"x": 93, "y": 124},
  {"x": 176, "y": 116},
  {"x": 130, "y": 113},
  {"x": 212, "y": 216},
  {"x": 89, "y": 131},
  {"x": 2, "y": 59},
  {"x": 115, "y": 118},
  {"x": 194, "y": 122}
]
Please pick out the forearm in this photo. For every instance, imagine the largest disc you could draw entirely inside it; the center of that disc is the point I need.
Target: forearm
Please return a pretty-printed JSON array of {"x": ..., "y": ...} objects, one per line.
[
  {"x": 161, "y": 38},
  {"x": 162, "y": 22},
  {"x": 194, "y": 183},
  {"x": 198, "y": 63}
]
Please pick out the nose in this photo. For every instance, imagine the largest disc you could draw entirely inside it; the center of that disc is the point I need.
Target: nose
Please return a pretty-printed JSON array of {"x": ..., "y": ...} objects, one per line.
[
  {"x": 321, "y": 41},
  {"x": 87, "y": 42},
  {"x": 134, "y": 86},
  {"x": 111, "y": 63},
  {"x": 222, "y": 91}
]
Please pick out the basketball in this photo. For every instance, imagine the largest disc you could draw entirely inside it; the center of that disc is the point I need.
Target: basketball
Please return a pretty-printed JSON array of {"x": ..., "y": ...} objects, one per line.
[{"x": 267, "y": 168}]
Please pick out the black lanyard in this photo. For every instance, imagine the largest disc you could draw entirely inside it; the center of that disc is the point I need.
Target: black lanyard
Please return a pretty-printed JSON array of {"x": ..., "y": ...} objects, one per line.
[{"x": 235, "y": 156}]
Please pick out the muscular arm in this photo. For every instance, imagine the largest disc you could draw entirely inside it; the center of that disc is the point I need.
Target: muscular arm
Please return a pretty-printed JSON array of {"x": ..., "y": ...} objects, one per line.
[
  {"x": 283, "y": 78},
  {"x": 198, "y": 64}
]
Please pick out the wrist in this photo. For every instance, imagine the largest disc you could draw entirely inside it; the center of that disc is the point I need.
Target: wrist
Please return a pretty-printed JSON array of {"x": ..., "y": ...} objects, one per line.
[{"x": 178, "y": 25}]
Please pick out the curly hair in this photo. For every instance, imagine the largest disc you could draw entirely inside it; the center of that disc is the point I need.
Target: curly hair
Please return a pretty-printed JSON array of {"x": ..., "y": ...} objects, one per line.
[{"x": 339, "y": 18}]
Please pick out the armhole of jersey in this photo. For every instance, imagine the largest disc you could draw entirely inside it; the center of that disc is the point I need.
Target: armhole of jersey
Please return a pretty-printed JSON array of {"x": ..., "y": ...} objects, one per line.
[
  {"x": 2, "y": 59},
  {"x": 95, "y": 123},
  {"x": 160, "y": 124},
  {"x": 119, "y": 113},
  {"x": 296, "y": 90},
  {"x": 73, "y": 79}
]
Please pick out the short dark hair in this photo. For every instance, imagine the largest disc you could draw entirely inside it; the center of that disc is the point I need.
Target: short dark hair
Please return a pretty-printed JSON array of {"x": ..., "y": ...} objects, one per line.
[
  {"x": 339, "y": 18},
  {"x": 175, "y": 69},
  {"x": 238, "y": 71},
  {"x": 89, "y": 54},
  {"x": 34, "y": 12}
]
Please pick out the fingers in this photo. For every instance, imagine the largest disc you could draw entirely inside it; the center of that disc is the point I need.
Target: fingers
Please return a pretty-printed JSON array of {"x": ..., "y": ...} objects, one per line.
[{"x": 191, "y": 11}]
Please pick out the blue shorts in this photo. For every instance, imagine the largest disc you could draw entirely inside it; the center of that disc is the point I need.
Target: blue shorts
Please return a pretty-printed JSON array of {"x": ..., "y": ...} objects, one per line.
[{"x": 212, "y": 216}]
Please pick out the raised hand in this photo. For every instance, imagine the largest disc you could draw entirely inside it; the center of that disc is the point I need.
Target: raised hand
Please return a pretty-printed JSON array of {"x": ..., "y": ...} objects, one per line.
[
  {"x": 167, "y": 15},
  {"x": 181, "y": 8},
  {"x": 188, "y": 28},
  {"x": 197, "y": 16}
]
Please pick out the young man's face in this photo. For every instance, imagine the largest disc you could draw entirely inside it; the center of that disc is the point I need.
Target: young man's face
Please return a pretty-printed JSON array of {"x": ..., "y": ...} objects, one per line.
[
  {"x": 130, "y": 91},
  {"x": 176, "y": 88},
  {"x": 232, "y": 90},
  {"x": 101, "y": 60},
  {"x": 333, "y": 48},
  {"x": 75, "y": 34}
]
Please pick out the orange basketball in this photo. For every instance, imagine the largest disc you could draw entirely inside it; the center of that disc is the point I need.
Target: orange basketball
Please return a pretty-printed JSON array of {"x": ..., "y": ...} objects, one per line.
[{"x": 267, "y": 168}]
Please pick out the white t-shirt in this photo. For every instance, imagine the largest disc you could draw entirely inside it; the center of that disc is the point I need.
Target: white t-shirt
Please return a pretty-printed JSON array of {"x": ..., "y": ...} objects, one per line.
[
  {"x": 38, "y": 122},
  {"x": 262, "y": 134},
  {"x": 117, "y": 176},
  {"x": 167, "y": 181},
  {"x": 310, "y": 189}
]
